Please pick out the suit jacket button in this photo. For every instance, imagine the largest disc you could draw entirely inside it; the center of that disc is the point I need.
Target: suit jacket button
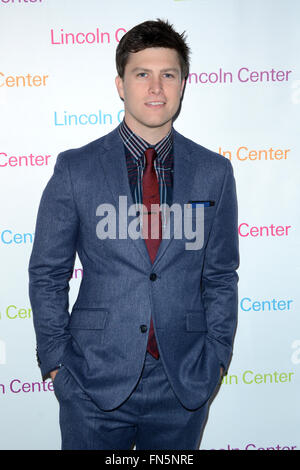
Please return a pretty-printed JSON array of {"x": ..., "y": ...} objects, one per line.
[
  {"x": 153, "y": 277},
  {"x": 143, "y": 328}
]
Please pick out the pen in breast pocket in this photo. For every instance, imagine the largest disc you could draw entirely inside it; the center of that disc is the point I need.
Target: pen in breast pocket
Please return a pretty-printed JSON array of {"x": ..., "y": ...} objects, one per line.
[{"x": 201, "y": 203}]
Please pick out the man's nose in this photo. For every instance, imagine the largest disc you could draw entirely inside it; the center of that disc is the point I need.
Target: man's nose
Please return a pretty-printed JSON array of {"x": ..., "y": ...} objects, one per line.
[{"x": 155, "y": 85}]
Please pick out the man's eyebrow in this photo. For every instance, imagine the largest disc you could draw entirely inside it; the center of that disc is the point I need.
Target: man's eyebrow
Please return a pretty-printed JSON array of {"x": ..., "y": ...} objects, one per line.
[
  {"x": 136, "y": 69},
  {"x": 169, "y": 69}
]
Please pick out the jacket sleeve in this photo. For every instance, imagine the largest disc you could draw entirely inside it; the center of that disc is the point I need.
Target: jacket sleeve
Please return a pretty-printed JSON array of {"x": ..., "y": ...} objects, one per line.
[
  {"x": 219, "y": 281},
  {"x": 51, "y": 265}
]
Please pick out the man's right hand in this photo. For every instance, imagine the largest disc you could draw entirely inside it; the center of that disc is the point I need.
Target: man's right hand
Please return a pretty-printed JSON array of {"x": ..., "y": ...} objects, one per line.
[{"x": 53, "y": 374}]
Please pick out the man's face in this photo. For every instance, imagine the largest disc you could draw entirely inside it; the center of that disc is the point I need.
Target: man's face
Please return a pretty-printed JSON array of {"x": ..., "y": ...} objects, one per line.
[{"x": 151, "y": 89}]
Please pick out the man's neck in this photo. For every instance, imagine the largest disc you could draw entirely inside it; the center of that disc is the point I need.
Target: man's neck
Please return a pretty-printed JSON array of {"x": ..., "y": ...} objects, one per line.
[{"x": 152, "y": 135}]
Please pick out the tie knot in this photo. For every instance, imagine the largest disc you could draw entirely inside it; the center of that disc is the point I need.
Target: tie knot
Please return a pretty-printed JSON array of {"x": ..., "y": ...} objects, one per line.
[{"x": 150, "y": 155}]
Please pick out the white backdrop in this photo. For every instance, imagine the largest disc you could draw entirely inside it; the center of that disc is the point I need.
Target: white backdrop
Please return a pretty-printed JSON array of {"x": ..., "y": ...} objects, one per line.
[{"x": 242, "y": 100}]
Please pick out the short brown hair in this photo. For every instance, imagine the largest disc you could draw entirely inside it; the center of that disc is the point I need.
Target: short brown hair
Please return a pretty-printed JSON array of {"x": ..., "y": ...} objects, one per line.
[{"x": 157, "y": 33}]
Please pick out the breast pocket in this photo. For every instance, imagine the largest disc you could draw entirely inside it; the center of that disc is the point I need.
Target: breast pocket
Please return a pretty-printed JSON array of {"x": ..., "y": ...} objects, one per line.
[{"x": 197, "y": 222}]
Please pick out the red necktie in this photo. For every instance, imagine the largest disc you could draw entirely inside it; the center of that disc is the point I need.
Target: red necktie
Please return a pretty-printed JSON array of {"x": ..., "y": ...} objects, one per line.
[{"x": 151, "y": 226}]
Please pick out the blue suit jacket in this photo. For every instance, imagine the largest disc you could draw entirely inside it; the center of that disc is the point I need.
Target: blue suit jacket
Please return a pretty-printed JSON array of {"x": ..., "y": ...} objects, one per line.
[{"x": 192, "y": 298}]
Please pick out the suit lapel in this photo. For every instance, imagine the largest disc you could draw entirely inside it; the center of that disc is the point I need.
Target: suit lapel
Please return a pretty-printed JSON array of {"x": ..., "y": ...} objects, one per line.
[
  {"x": 183, "y": 176},
  {"x": 114, "y": 166}
]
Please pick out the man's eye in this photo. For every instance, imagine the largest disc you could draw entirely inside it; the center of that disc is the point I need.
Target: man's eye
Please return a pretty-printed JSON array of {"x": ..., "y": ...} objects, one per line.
[
  {"x": 142, "y": 74},
  {"x": 169, "y": 75}
]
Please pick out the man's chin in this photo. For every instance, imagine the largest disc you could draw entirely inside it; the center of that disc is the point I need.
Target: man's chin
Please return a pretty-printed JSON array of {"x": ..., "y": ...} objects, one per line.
[{"x": 155, "y": 123}]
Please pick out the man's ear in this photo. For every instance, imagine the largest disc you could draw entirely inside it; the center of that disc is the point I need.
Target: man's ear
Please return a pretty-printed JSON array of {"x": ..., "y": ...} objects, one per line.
[{"x": 119, "y": 85}]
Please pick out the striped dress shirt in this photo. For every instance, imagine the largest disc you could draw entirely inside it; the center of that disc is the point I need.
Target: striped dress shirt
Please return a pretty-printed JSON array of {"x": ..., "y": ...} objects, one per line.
[{"x": 135, "y": 147}]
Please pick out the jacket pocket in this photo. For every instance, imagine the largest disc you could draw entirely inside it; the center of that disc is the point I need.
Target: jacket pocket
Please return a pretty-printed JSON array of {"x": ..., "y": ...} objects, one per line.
[
  {"x": 196, "y": 321},
  {"x": 88, "y": 318}
]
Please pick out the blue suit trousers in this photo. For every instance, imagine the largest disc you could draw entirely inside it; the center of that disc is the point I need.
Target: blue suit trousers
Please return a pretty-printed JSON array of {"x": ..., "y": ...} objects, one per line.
[{"x": 151, "y": 418}]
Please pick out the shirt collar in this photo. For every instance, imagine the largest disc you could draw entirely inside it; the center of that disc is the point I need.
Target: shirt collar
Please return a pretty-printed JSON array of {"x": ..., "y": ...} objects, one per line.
[{"x": 137, "y": 145}]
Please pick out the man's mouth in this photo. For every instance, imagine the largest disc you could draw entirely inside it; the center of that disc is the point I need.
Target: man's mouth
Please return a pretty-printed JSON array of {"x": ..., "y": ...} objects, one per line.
[{"x": 155, "y": 103}]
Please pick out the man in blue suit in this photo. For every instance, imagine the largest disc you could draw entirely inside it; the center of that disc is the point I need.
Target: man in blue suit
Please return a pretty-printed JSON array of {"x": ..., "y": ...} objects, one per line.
[{"x": 151, "y": 331}]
